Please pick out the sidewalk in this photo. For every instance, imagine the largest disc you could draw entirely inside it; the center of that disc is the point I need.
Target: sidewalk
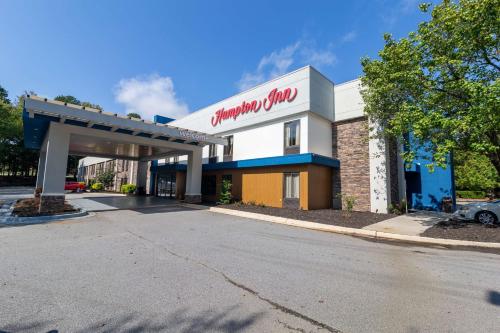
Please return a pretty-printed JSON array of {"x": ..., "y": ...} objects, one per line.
[{"x": 413, "y": 224}]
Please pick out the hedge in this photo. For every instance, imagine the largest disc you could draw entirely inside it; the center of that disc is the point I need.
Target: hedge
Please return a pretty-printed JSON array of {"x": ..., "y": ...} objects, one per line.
[
  {"x": 471, "y": 194},
  {"x": 97, "y": 187},
  {"x": 128, "y": 188}
]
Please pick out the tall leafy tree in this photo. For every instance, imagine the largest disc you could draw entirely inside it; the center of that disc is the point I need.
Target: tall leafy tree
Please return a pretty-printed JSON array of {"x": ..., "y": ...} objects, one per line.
[
  {"x": 68, "y": 99},
  {"x": 15, "y": 160},
  {"x": 441, "y": 83},
  {"x": 134, "y": 115},
  {"x": 4, "y": 96}
]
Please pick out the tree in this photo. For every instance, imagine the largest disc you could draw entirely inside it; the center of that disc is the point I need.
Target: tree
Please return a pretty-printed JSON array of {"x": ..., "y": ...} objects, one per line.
[
  {"x": 106, "y": 178},
  {"x": 93, "y": 106},
  {"x": 68, "y": 99},
  {"x": 4, "y": 96},
  {"x": 440, "y": 83},
  {"x": 134, "y": 115},
  {"x": 474, "y": 172},
  {"x": 15, "y": 160}
]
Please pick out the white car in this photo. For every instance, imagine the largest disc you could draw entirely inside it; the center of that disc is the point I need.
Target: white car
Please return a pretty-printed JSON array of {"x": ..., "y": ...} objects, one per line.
[{"x": 483, "y": 212}]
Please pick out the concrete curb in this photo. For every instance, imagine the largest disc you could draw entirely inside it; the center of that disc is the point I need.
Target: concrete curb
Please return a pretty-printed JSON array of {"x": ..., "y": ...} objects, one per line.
[
  {"x": 19, "y": 221},
  {"x": 353, "y": 231}
]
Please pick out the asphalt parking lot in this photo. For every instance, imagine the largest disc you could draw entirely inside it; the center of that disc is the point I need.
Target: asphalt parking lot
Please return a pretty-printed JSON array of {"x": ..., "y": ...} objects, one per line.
[{"x": 183, "y": 270}]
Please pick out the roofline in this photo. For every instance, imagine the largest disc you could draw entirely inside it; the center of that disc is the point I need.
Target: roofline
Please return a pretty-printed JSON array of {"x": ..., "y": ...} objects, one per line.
[
  {"x": 347, "y": 82},
  {"x": 296, "y": 159},
  {"x": 257, "y": 86},
  {"x": 44, "y": 106}
]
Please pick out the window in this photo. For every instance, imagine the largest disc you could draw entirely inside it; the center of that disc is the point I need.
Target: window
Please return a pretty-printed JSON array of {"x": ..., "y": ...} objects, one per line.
[
  {"x": 292, "y": 185},
  {"x": 123, "y": 181},
  {"x": 208, "y": 185},
  {"x": 212, "y": 153},
  {"x": 99, "y": 168},
  {"x": 292, "y": 137},
  {"x": 228, "y": 149},
  {"x": 123, "y": 165}
]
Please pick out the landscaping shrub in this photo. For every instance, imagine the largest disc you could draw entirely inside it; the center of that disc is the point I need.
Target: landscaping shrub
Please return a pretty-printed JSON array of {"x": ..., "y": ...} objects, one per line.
[
  {"x": 471, "y": 194},
  {"x": 97, "y": 187},
  {"x": 348, "y": 201},
  {"x": 106, "y": 178},
  {"x": 128, "y": 188},
  {"x": 474, "y": 172},
  {"x": 398, "y": 208},
  {"x": 225, "y": 193}
]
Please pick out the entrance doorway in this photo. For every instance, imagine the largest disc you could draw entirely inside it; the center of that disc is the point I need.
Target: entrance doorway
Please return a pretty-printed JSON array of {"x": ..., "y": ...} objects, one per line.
[{"x": 167, "y": 185}]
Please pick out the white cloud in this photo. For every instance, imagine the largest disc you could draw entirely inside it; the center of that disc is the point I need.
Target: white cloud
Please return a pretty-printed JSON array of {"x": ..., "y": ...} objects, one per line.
[
  {"x": 349, "y": 37},
  {"x": 398, "y": 10},
  {"x": 279, "y": 62},
  {"x": 149, "y": 96}
]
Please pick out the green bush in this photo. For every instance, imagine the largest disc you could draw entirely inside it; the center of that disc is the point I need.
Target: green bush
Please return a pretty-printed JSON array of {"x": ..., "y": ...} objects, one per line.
[
  {"x": 471, "y": 194},
  {"x": 474, "y": 172},
  {"x": 128, "y": 188},
  {"x": 348, "y": 201},
  {"x": 225, "y": 193},
  {"x": 398, "y": 208},
  {"x": 97, "y": 187},
  {"x": 106, "y": 178}
]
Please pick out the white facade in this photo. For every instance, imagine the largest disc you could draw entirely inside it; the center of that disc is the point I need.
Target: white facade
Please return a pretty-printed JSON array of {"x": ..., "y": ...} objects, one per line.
[
  {"x": 260, "y": 134},
  {"x": 348, "y": 101}
]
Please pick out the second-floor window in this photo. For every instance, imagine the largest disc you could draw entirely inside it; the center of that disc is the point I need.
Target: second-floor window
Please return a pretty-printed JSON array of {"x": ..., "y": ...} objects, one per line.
[
  {"x": 228, "y": 149},
  {"x": 212, "y": 153},
  {"x": 292, "y": 137}
]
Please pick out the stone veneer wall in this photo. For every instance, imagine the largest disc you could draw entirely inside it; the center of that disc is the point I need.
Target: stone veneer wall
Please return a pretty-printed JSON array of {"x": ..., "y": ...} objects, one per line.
[{"x": 350, "y": 147}]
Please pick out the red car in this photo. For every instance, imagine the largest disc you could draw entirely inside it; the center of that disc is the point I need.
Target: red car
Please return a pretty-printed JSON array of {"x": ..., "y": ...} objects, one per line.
[{"x": 74, "y": 186}]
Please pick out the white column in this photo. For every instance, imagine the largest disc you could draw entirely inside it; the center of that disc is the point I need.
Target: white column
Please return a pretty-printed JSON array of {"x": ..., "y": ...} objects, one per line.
[
  {"x": 56, "y": 161},
  {"x": 193, "y": 176},
  {"x": 379, "y": 174},
  {"x": 401, "y": 174},
  {"x": 41, "y": 170}
]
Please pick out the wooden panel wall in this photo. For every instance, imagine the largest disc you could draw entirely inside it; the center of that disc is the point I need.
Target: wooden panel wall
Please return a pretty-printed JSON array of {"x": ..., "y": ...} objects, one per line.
[
  {"x": 320, "y": 187},
  {"x": 265, "y": 185}
]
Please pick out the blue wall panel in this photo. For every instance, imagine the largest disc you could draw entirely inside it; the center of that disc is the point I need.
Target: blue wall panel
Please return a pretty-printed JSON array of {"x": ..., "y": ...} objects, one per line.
[{"x": 425, "y": 189}]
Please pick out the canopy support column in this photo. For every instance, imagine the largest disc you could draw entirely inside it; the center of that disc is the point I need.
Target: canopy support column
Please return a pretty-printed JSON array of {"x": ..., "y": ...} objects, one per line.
[
  {"x": 40, "y": 173},
  {"x": 193, "y": 177},
  {"x": 56, "y": 160}
]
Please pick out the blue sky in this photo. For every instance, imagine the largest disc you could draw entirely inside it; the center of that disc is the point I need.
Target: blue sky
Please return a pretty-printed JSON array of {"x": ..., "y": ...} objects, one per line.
[{"x": 174, "y": 57}]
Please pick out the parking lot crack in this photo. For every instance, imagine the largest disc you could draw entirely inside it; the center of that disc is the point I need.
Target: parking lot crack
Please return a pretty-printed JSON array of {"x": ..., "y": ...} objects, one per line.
[{"x": 274, "y": 304}]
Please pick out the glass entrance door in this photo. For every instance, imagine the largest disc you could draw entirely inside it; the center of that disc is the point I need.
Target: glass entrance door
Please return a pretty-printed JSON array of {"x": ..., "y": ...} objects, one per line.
[{"x": 167, "y": 185}]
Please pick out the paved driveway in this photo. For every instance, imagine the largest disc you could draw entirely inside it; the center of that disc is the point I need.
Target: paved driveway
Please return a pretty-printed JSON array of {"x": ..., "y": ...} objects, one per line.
[
  {"x": 99, "y": 201},
  {"x": 181, "y": 270}
]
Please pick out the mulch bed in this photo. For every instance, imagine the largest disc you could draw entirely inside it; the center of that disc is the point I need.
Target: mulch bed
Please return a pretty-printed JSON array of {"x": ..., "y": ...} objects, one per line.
[
  {"x": 29, "y": 207},
  {"x": 464, "y": 230},
  {"x": 325, "y": 216}
]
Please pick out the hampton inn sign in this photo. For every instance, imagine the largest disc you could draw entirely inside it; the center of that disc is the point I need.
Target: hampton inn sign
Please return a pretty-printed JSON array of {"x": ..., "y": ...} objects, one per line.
[{"x": 274, "y": 97}]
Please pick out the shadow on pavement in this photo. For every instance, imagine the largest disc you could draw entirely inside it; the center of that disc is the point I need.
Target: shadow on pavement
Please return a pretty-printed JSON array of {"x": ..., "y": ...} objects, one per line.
[
  {"x": 178, "y": 321},
  {"x": 493, "y": 297}
]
